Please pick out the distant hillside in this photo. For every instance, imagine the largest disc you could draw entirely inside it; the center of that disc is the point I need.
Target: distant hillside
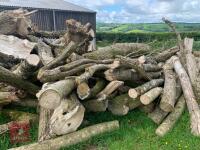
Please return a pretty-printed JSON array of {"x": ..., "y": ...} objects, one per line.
[{"x": 145, "y": 27}]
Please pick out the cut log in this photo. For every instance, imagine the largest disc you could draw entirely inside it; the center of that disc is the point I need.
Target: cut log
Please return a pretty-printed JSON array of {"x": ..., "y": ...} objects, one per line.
[
  {"x": 100, "y": 104},
  {"x": 56, "y": 74},
  {"x": 158, "y": 115},
  {"x": 172, "y": 118},
  {"x": 134, "y": 64},
  {"x": 168, "y": 99},
  {"x": 134, "y": 93},
  {"x": 67, "y": 117},
  {"x": 99, "y": 86},
  {"x": 10, "y": 78},
  {"x": 51, "y": 94},
  {"x": 123, "y": 49},
  {"x": 165, "y": 55},
  {"x": 122, "y": 104},
  {"x": 89, "y": 72},
  {"x": 73, "y": 138},
  {"x": 44, "y": 52},
  {"x": 15, "y": 22},
  {"x": 28, "y": 66},
  {"x": 13, "y": 46},
  {"x": 151, "y": 95},
  {"x": 151, "y": 68},
  {"x": 192, "y": 104}
]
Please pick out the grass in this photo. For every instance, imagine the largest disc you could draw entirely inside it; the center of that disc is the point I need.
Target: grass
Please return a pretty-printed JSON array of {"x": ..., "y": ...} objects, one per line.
[{"x": 137, "y": 131}]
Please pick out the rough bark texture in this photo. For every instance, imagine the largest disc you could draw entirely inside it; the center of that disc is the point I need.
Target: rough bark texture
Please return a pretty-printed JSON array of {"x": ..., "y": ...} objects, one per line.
[
  {"x": 28, "y": 66},
  {"x": 192, "y": 104},
  {"x": 158, "y": 115},
  {"x": 151, "y": 95},
  {"x": 73, "y": 138},
  {"x": 165, "y": 55},
  {"x": 26, "y": 103},
  {"x": 10, "y": 78},
  {"x": 122, "y": 104},
  {"x": 134, "y": 93},
  {"x": 168, "y": 99},
  {"x": 123, "y": 49},
  {"x": 7, "y": 97},
  {"x": 172, "y": 118}
]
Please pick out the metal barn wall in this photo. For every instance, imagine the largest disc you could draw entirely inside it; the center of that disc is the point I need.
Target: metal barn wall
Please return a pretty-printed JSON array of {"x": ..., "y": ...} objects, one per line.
[
  {"x": 44, "y": 18},
  {"x": 84, "y": 18}
]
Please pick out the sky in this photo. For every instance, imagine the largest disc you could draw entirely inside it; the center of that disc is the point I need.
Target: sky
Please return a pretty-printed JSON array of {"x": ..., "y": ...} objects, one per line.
[{"x": 143, "y": 11}]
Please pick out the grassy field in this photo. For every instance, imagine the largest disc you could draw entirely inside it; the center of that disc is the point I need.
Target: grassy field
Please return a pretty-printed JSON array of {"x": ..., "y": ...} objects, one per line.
[
  {"x": 145, "y": 27},
  {"x": 137, "y": 131}
]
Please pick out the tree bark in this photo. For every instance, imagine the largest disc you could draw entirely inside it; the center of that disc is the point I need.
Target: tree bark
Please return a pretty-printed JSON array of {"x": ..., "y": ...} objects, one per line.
[
  {"x": 122, "y": 49},
  {"x": 7, "y": 97},
  {"x": 73, "y": 138},
  {"x": 134, "y": 93},
  {"x": 122, "y": 104},
  {"x": 151, "y": 95},
  {"x": 28, "y": 66},
  {"x": 158, "y": 115},
  {"x": 26, "y": 103},
  {"x": 10, "y": 78},
  {"x": 168, "y": 99},
  {"x": 172, "y": 118},
  {"x": 192, "y": 104}
]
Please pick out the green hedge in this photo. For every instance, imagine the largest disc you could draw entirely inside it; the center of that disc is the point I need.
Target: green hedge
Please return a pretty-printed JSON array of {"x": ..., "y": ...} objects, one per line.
[{"x": 142, "y": 37}]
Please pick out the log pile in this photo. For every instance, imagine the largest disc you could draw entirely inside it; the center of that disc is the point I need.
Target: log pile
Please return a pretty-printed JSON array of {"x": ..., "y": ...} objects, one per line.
[{"x": 66, "y": 81}]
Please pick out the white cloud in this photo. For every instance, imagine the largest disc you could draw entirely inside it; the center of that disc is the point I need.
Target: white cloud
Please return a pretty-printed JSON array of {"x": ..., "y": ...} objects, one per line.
[{"x": 144, "y": 10}]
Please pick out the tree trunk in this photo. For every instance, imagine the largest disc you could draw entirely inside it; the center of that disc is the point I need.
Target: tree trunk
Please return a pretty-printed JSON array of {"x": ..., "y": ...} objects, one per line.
[
  {"x": 168, "y": 99},
  {"x": 134, "y": 93},
  {"x": 172, "y": 118},
  {"x": 192, "y": 104},
  {"x": 51, "y": 94},
  {"x": 151, "y": 95},
  {"x": 123, "y": 49}
]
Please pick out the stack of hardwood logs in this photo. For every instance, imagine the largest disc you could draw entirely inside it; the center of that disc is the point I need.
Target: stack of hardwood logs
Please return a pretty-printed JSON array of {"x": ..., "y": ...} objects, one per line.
[{"x": 69, "y": 81}]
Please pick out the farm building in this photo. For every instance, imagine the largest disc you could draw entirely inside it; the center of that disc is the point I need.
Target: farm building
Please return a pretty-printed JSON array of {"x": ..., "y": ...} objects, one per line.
[{"x": 52, "y": 14}]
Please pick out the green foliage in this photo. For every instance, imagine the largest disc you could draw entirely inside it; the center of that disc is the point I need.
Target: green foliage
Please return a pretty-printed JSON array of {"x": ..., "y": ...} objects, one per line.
[{"x": 143, "y": 37}]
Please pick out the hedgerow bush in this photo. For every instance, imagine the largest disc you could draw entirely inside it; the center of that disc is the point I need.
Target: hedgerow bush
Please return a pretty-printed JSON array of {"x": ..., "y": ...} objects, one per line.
[{"x": 143, "y": 37}]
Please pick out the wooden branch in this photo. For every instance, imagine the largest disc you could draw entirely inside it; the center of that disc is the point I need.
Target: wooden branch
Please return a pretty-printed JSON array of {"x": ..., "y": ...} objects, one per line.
[
  {"x": 134, "y": 93},
  {"x": 168, "y": 99},
  {"x": 73, "y": 138},
  {"x": 101, "y": 102},
  {"x": 92, "y": 92},
  {"x": 172, "y": 118},
  {"x": 192, "y": 104},
  {"x": 122, "y": 49},
  {"x": 148, "y": 108},
  {"x": 10, "y": 78},
  {"x": 151, "y": 68},
  {"x": 151, "y": 95},
  {"x": 165, "y": 55},
  {"x": 26, "y": 103},
  {"x": 134, "y": 64}
]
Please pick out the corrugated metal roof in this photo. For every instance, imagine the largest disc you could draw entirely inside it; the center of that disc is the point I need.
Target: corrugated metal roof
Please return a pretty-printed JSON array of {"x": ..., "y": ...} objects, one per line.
[{"x": 45, "y": 4}]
